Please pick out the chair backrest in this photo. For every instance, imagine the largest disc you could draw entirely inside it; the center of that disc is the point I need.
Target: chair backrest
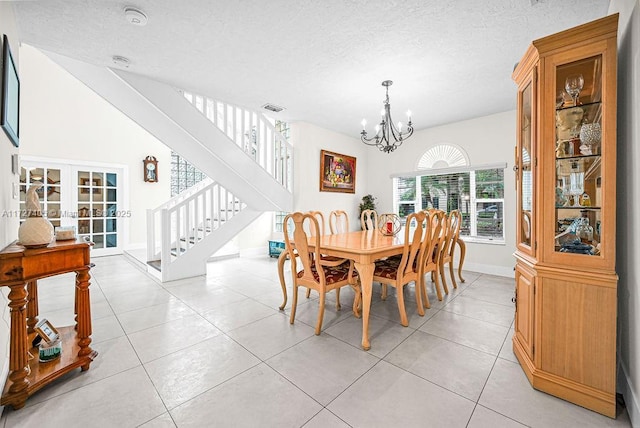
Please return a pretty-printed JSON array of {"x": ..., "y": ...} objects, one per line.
[
  {"x": 320, "y": 218},
  {"x": 414, "y": 232},
  {"x": 338, "y": 222},
  {"x": 299, "y": 237},
  {"x": 432, "y": 244},
  {"x": 369, "y": 220},
  {"x": 452, "y": 232}
]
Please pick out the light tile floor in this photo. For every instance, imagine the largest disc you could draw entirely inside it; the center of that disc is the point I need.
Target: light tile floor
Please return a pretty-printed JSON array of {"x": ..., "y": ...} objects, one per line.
[{"x": 216, "y": 351}]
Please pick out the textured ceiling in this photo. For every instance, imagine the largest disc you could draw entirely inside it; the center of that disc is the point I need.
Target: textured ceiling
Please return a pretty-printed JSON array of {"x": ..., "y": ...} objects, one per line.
[{"x": 323, "y": 60}]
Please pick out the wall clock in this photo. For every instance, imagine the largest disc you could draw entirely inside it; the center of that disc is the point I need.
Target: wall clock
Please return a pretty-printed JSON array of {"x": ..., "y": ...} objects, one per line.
[{"x": 150, "y": 169}]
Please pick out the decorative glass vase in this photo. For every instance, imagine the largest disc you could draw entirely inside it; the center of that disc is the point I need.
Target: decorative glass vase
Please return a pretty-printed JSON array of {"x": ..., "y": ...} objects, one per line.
[{"x": 591, "y": 134}]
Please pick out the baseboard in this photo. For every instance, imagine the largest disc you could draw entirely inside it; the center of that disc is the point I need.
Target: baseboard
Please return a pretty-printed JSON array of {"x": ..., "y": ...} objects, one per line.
[
  {"x": 490, "y": 269},
  {"x": 630, "y": 399}
]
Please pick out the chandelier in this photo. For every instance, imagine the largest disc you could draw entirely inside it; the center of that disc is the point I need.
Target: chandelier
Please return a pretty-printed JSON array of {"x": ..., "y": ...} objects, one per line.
[{"x": 388, "y": 137}]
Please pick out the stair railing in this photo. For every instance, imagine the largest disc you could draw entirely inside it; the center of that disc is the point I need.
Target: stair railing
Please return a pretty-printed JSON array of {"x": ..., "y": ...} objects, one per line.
[
  {"x": 253, "y": 133},
  {"x": 180, "y": 224}
]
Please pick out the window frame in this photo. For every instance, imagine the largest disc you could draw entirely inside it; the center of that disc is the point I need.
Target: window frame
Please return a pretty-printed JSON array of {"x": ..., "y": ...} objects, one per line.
[{"x": 473, "y": 200}]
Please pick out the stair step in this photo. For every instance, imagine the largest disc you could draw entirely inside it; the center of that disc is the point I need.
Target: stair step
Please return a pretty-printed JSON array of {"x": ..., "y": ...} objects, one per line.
[{"x": 155, "y": 264}]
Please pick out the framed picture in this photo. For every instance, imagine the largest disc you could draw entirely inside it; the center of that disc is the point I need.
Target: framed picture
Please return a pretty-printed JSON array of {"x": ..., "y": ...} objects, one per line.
[
  {"x": 10, "y": 110},
  {"x": 47, "y": 331},
  {"x": 337, "y": 172}
]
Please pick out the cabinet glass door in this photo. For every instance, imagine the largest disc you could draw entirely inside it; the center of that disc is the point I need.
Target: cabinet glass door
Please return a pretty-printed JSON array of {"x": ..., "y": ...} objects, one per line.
[
  {"x": 524, "y": 166},
  {"x": 578, "y": 160}
]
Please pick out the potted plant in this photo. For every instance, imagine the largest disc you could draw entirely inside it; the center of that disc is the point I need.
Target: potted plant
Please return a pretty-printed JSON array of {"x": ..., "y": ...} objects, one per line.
[{"x": 368, "y": 203}]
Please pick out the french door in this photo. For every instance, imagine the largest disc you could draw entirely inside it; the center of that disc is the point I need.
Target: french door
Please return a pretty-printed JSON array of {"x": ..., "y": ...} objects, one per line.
[{"x": 86, "y": 197}]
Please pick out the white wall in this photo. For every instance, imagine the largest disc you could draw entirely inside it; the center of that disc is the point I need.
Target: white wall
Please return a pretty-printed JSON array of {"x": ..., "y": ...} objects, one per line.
[
  {"x": 489, "y": 139},
  {"x": 8, "y": 205},
  {"x": 66, "y": 120},
  {"x": 308, "y": 140},
  {"x": 628, "y": 204}
]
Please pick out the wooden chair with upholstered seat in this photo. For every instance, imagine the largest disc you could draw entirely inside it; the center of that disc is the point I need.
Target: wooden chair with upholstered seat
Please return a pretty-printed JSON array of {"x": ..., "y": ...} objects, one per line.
[
  {"x": 316, "y": 273},
  {"x": 451, "y": 235},
  {"x": 338, "y": 222},
  {"x": 398, "y": 272},
  {"x": 369, "y": 220},
  {"x": 429, "y": 262}
]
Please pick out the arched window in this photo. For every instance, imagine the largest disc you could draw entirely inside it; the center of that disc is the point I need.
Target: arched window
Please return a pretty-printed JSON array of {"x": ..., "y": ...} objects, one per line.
[
  {"x": 443, "y": 156},
  {"x": 444, "y": 179}
]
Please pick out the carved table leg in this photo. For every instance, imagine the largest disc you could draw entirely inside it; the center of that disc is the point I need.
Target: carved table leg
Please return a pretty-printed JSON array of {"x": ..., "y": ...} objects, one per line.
[
  {"x": 83, "y": 316},
  {"x": 19, "y": 348},
  {"x": 365, "y": 271},
  {"x": 463, "y": 251},
  {"x": 32, "y": 305},
  {"x": 281, "y": 259}
]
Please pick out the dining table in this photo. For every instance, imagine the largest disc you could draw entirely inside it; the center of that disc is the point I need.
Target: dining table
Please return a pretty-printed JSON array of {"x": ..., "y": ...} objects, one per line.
[{"x": 364, "y": 248}]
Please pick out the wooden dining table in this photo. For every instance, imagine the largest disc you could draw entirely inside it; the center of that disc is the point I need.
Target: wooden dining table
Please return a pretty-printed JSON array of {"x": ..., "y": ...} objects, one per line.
[{"x": 364, "y": 248}]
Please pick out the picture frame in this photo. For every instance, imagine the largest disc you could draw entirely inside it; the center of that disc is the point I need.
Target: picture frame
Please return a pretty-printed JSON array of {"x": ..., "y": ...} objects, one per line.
[
  {"x": 47, "y": 331},
  {"x": 337, "y": 172},
  {"x": 10, "y": 105}
]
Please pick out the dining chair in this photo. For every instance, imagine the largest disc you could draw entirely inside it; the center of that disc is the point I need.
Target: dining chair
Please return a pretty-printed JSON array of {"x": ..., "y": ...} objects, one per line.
[
  {"x": 369, "y": 220},
  {"x": 397, "y": 272},
  {"x": 451, "y": 235},
  {"x": 429, "y": 262},
  {"x": 316, "y": 273},
  {"x": 338, "y": 222}
]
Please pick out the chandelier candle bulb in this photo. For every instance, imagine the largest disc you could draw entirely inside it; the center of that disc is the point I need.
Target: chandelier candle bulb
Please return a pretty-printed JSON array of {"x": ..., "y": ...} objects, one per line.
[{"x": 364, "y": 123}]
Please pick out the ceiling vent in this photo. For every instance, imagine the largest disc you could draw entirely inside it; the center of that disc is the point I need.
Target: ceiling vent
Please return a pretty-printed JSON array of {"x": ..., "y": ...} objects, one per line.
[
  {"x": 135, "y": 16},
  {"x": 272, "y": 107},
  {"x": 120, "y": 61}
]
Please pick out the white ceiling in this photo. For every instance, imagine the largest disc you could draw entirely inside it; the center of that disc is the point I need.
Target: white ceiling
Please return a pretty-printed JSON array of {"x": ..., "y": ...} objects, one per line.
[{"x": 323, "y": 60}]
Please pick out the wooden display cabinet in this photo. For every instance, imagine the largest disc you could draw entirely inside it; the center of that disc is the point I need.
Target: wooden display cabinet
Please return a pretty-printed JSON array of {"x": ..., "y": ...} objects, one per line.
[
  {"x": 566, "y": 284},
  {"x": 20, "y": 270}
]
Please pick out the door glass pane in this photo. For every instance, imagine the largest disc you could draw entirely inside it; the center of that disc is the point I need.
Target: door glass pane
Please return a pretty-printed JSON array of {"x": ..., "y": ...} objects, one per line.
[
  {"x": 48, "y": 194},
  {"x": 112, "y": 240},
  {"x": 578, "y": 197},
  {"x": 96, "y": 187}
]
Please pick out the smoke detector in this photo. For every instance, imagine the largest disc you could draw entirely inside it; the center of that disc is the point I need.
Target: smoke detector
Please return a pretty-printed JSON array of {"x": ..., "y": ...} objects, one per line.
[
  {"x": 120, "y": 61},
  {"x": 135, "y": 16},
  {"x": 272, "y": 107}
]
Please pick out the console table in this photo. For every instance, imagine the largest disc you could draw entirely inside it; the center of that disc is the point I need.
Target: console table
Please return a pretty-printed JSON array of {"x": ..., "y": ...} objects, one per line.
[{"x": 20, "y": 269}]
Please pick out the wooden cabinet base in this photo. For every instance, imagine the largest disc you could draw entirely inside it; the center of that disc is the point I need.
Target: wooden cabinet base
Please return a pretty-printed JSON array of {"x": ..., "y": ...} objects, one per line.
[
  {"x": 582, "y": 395},
  {"x": 40, "y": 374}
]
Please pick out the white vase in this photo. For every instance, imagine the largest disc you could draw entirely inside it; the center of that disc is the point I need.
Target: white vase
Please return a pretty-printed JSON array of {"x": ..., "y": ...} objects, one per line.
[{"x": 35, "y": 232}]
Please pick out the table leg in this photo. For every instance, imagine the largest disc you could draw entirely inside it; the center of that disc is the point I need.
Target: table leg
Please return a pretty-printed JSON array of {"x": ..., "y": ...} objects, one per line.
[
  {"x": 463, "y": 251},
  {"x": 18, "y": 348},
  {"x": 281, "y": 259},
  {"x": 366, "y": 281},
  {"x": 83, "y": 316},
  {"x": 32, "y": 306}
]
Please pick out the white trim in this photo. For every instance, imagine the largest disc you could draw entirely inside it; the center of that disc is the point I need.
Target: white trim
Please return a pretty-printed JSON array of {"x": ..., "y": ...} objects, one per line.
[
  {"x": 625, "y": 386},
  {"x": 75, "y": 162},
  {"x": 451, "y": 170}
]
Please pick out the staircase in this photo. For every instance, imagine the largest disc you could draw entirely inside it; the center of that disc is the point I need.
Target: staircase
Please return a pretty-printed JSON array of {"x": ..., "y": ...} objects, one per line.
[
  {"x": 249, "y": 162},
  {"x": 184, "y": 232}
]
